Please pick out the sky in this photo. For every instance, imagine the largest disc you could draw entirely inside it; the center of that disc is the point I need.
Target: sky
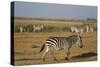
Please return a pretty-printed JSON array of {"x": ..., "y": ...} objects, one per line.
[{"x": 62, "y": 11}]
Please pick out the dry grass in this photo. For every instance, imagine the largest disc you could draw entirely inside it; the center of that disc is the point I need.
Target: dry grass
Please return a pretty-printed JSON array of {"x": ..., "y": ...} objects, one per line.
[
  {"x": 27, "y": 46},
  {"x": 26, "y": 22}
]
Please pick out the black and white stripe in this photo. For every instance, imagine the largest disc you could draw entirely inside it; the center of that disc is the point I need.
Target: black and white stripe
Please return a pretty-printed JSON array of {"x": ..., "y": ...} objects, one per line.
[{"x": 61, "y": 43}]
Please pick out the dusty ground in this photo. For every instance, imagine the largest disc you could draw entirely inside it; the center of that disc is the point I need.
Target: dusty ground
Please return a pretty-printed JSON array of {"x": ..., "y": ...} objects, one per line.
[{"x": 28, "y": 45}]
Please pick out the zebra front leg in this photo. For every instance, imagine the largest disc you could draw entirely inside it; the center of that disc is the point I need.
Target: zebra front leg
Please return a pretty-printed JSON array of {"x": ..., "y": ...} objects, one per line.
[
  {"x": 44, "y": 54},
  {"x": 52, "y": 53},
  {"x": 67, "y": 54}
]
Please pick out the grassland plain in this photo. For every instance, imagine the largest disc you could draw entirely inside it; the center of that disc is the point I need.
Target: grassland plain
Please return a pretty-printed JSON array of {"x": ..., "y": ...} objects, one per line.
[{"x": 28, "y": 44}]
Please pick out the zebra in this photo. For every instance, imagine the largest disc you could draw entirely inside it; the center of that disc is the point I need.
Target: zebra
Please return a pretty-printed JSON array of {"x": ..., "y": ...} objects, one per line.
[
  {"x": 21, "y": 29},
  {"x": 87, "y": 28},
  {"x": 77, "y": 30},
  {"x": 57, "y": 43},
  {"x": 81, "y": 28},
  {"x": 38, "y": 28}
]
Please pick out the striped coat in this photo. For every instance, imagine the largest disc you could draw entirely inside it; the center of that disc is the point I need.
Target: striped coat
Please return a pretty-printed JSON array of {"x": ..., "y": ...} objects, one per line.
[{"x": 57, "y": 43}]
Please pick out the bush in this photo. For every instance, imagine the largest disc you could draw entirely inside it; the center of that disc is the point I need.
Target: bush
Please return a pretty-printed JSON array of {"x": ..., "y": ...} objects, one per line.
[
  {"x": 29, "y": 28},
  {"x": 56, "y": 29}
]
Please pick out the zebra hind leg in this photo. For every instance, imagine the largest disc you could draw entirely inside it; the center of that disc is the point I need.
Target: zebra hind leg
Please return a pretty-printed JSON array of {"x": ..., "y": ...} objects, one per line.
[{"x": 44, "y": 54}]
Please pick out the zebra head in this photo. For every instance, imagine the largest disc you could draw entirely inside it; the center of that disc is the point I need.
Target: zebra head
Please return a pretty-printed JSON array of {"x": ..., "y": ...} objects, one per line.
[{"x": 80, "y": 41}]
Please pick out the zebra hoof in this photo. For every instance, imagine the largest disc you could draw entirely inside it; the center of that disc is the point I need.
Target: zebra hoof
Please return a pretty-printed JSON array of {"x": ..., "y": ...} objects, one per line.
[
  {"x": 43, "y": 60},
  {"x": 55, "y": 59},
  {"x": 66, "y": 58}
]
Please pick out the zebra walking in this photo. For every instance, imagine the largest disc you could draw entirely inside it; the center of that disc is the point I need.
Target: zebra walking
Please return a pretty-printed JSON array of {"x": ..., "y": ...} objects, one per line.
[{"x": 57, "y": 43}]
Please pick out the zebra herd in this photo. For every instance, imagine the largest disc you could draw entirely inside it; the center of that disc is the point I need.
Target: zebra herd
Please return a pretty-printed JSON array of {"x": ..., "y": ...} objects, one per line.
[
  {"x": 73, "y": 28},
  {"x": 82, "y": 28},
  {"x": 31, "y": 28},
  {"x": 57, "y": 43}
]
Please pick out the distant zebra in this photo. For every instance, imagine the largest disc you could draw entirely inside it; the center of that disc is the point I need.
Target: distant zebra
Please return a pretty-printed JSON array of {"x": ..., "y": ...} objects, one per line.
[
  {"x": 38, "y": 28},
  {"x": 57, "y": 43},
  {"x": 77, "y": 30},
  {"x": 81, "y": 28},
  {"x": 87, "y": 28},
  {"x": 21, "y": 29}
]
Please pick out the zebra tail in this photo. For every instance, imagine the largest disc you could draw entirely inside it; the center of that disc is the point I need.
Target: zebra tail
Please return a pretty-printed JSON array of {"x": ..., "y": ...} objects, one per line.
[{"x": 42, "y": 48}]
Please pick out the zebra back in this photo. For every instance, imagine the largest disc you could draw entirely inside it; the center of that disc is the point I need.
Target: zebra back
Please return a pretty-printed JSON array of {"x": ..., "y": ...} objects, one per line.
[{"x": 62, "y": 42}]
